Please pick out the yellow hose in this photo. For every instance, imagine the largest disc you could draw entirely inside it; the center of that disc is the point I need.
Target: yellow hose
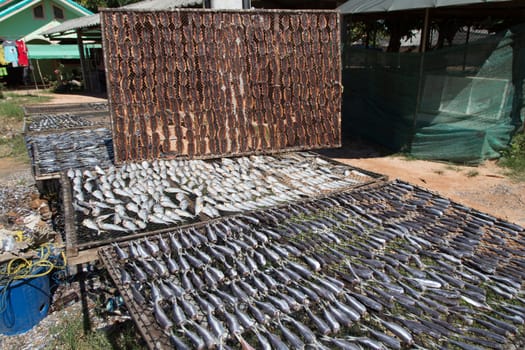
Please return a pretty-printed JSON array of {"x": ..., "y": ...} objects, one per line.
[{"x": 20, "y": 268}]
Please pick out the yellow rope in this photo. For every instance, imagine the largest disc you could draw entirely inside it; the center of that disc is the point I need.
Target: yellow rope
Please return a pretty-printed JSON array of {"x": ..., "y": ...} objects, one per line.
[{"x": 20, "y": 268}]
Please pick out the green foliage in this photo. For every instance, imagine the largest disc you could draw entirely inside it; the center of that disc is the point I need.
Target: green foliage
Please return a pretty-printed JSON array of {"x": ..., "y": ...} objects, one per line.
[
  {"x": 14, "y": 147},
  {"x": 514, "y": 157},
  {"x": 94, "y": 5},
  {"x": 472, "y": 173},
  {"x": 366, "y": 32},
  {"x": 12, "y": 143},
  {"x": 11, "y": 110},
  {"x": 11, "y": 106}
]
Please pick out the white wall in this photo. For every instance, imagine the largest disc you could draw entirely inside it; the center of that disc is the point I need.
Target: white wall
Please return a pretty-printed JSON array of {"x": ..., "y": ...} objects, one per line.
[{"x": 226, "y": 4}]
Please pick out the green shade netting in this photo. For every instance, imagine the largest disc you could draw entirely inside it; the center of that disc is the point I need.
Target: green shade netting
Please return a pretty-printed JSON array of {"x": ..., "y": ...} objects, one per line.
[{"x": 470, "y": 97}]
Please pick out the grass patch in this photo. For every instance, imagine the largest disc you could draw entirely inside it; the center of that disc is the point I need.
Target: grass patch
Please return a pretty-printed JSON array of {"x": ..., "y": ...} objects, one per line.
[
  {"x": 514, "y": 157},
  {"x": 453, "y": 168},
  {"x": 472, "y": 173},
  {"x": 14, "y": 147},
  {"x": 11, "y": 110},
  {"x": 12, "y": 142},
  {"x": 11, "y": 105},
  {"x": 69, "y": 335}
]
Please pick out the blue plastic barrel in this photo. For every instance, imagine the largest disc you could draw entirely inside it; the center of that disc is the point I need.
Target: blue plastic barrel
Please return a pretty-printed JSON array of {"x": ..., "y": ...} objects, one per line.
[{"x": 24, "y": 304}]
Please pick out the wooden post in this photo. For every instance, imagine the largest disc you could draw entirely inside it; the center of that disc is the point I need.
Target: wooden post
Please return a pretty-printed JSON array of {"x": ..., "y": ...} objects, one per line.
[
  {"x": 40, "y": 74},
  {"x": 83, "y": 65}
]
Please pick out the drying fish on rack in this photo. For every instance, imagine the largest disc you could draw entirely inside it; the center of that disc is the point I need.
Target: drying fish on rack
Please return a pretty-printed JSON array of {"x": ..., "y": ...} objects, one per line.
[
  {"x": 56, "y": 152},
  {"x": 344, "y": 271},
  {"x": 135, "y": 196},
  {"x": 59, "y": 122}
]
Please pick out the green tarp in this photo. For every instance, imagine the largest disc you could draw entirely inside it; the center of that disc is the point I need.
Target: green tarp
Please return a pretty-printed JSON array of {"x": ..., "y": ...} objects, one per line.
[{"x": 471, "y": 97}]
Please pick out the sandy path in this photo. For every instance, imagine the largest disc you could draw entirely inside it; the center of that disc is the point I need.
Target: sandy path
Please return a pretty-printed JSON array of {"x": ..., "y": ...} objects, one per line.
[{"x": 485, "y": 187}]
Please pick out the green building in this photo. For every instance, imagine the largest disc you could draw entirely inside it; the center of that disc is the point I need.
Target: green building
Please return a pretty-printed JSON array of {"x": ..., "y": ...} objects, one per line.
[{"x": 25, "y": 20}]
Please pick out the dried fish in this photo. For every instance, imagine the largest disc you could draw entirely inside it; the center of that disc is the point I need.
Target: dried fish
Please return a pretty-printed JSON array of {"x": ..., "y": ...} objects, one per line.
[
  {"x": 161, "y": 317},
  {"x": 145, "y": 181},
  {"x": 416, "y": 296}
]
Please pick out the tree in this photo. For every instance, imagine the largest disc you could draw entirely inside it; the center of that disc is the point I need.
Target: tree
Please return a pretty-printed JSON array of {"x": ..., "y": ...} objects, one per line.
[
  {"x": 94, "y": 5},
  {"x": 399, "y": 27}
]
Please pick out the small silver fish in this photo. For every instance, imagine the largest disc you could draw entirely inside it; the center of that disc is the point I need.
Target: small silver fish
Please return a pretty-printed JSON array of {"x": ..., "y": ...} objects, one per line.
[
  {"x": 90, "y": 224},
  {"x": 112, "y": 227}
]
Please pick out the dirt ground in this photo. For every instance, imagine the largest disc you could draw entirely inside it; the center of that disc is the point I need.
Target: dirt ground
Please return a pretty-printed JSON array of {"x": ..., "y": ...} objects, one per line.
[{"x": 485, "y": 187}]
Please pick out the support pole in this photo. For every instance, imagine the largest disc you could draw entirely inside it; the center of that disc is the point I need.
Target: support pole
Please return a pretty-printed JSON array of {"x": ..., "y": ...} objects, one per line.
[
  {"x": 83, "y": 65},
  {"x": 422, "y": 50},
  {"x": 424, "y": 34},
  {"x": 466, "y": 48},
  {"x": 34, "y": 78},
  {"x": 40, "y": 74}
]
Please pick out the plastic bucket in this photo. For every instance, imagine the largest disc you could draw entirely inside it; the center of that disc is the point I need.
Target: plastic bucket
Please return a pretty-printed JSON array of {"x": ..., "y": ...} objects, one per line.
[{"x": 24, "y": 303}]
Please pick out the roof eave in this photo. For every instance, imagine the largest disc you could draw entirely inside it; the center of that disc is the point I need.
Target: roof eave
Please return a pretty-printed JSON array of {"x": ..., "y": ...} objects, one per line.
[
  {"x": 21, "y": 6},
  {"x": 73, "y": 5}
]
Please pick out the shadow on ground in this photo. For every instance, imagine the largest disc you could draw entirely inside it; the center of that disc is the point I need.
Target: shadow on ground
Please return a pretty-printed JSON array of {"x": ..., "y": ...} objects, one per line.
[{"x": 356, "y": 148}]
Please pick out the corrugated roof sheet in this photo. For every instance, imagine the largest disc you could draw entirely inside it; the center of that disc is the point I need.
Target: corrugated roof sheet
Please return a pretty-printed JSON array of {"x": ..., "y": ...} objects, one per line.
[
  {"x": 366, "y": 6},
  {"x": 81, "y": 22},
  {"x": 94, "y": 20},
  {"x": 162, "y": 4}
]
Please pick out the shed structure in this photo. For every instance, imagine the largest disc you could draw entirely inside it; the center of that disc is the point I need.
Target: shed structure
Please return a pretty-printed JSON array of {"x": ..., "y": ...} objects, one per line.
[{"x": 448, "y": 99}]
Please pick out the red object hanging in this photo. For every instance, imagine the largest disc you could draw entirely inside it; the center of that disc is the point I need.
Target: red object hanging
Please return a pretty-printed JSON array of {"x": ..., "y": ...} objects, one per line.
[{"x": 21, "y": 47}]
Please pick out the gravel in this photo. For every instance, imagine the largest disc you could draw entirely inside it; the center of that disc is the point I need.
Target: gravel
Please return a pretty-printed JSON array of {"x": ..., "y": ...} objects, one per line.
[
  {"x": 68, "y": 303},
  {"x": 86, "y": 295}
]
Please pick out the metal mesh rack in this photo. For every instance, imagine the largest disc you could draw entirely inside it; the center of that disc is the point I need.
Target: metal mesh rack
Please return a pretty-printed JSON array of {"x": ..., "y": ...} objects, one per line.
[
  {"x": 53, "y": 152},
  {"x": 58, "y": 122},
  {"x": 389, "y": 265},
  {"x": 77, "y": 108}
]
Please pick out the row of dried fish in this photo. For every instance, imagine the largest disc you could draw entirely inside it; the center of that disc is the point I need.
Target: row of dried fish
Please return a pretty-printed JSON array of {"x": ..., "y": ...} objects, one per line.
[
  {"x": 60, "y": 121},
  {"x": 56, "y": 152},
  {"x": 358, "y": 271},
  {"x": 170, "y": 192},
  {"x": 242, "y": 305}
]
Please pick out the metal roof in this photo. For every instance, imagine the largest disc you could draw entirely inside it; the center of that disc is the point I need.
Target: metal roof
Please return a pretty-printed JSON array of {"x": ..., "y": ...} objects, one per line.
[
  {"x": 94, "y": 20},
  {"x": 369, "y": 6},
  {"x": 81, "y": 22},
  {"x": 162, "y": 4}
]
